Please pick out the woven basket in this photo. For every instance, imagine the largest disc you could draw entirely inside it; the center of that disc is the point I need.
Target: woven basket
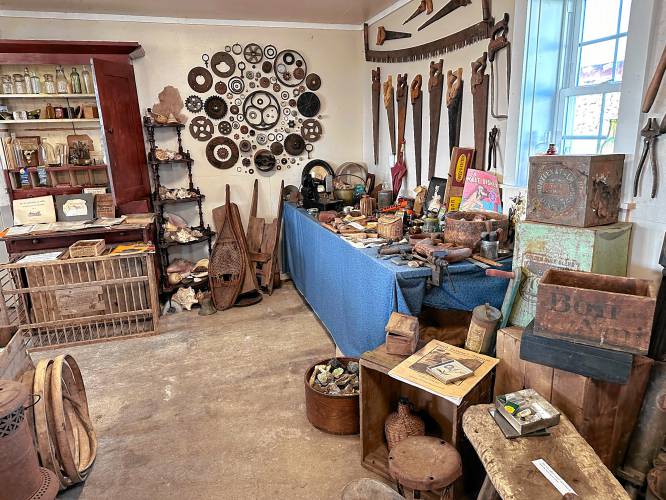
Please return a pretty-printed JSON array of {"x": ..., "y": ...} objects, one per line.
[
  {"x": 390, "y": 227},
  {"x": 402, "y": 424}
]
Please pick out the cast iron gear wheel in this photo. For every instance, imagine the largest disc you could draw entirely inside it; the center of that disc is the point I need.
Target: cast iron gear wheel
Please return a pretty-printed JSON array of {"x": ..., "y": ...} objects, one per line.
[
  {"x": 215, "y": 107},
  {"x": 264, "y": 160},
  {"x": 194, "y": 104},
  {"x": 224, "y": 127},
  {"x": 294, "y": 144},
  {"x": 313, "y": 81},
  {"x": 311, "y": 130},
  {"x": 308, "y": 104},
  {"x": 200, "y": 79},
  {"x": 223, "y": 64},
  {"x": 222, "y": 152},
  {"x": 270, "y": 51},
  {"x": 201, "y": 128},
  {"x": 253, "y": 53}
]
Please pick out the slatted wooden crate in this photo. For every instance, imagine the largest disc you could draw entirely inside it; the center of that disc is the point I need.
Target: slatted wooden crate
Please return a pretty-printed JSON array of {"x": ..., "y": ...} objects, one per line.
[{"x": 83, "y": 300}]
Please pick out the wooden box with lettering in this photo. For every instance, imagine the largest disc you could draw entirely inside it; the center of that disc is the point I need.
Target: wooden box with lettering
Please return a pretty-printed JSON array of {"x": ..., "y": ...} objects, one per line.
[
  {"x": 577, "y": 190},
  {"x": 596, "y": 309},
  {"x": 539, "y": 247}
]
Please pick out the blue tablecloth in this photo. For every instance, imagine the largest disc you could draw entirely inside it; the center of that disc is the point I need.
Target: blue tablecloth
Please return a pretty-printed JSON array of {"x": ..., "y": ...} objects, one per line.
[{"x": 354, "y": 293}]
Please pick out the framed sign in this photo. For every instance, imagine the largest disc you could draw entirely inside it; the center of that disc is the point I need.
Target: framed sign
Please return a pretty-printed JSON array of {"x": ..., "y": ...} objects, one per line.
[{"x": 34, "y": 210}]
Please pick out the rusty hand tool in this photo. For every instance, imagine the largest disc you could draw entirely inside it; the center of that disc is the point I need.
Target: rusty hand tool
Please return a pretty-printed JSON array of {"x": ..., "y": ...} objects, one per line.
[
  {"x": 376, "y": 90},
  {"x": 435, "y": 88},
  {"x": 417, "y": 117},
  {"x": 655, "y": 83},
  {"x": 424, "y": 6},
  {"x": 480, "y": 85},
  {"x": 389, "y": 104},
  {"x": 492, "y": 148},
  {"x": 402, "y": 90},
  {"x": 383, "y": 34},
  {"x": 650, "y": 132},
  {"x": 447, "y": 9},
  {"x": 454, "y": 95},
  {"x": 499, "y": 41}
]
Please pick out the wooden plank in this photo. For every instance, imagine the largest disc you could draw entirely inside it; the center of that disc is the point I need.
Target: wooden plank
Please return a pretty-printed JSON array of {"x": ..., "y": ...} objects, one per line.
[{"x": 508, "y": 462}]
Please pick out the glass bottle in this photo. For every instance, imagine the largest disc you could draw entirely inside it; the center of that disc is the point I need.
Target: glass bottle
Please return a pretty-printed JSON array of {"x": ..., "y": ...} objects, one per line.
[
  {"x": 61, "y": 80},
  {"x": 7, "y": 84},
  {"x": 76, "y": 81},
  {"x": 36, "y": 84},
  {"x": 49, "y": 84},
  {"x": 49, "y": 112},
  {"x": 27, "y": 81},
  {"x": 86, "y": 81},
  {"x": 19, "y": 83},
  {"x": 608, "y": 146}
]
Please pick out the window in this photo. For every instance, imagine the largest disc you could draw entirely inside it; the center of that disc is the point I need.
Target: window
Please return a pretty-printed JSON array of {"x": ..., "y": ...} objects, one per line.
[
  {"x": 572, "y": 68},
  {"x": 588, "y": 102}
]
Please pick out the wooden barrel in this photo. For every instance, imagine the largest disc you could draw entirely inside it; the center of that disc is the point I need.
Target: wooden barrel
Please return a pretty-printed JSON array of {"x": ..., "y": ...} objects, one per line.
[{"x": 332, "y": 414}]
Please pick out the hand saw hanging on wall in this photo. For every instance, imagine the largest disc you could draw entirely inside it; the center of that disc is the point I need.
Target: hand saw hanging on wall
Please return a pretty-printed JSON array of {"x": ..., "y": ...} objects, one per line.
[
  {"x": 454, "y": 87},
  {"x": 499, "y": 41},
  {"x": 401, "y": 98},
  {"x": 435, "y": 88},
  {"x": 447, "y": 9},
  {"x": 480, "y": 84},
  {"x": 376, "y": 89},
  {"x": 417, "y": 117},
  {"x": 389, "y": 104},
  {"x": 424, "y": 6}
]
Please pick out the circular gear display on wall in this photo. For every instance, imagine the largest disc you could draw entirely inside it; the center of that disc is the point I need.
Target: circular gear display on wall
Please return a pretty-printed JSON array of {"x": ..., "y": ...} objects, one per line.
[
  {"x": 224, "y": 127},
  {"x": 311, "y": 130},
  {"x": 286, "y": 62},
  {"x": 221, "y": 88},
  {"x": 253, "y": 53},
  {"x": 200, "y": 79},
  {"x": 222, "y": 152},
  {"x": 223, "y": 64},
  {"x": 236, "y": 85},
  {"x": 308, "y": 104},
  {"x": 294, "y": 144},
  {"x": 264, "y": 160},
  {"x": 215, "y": 107},
  {"x": 201, "y": 128},
  {"x": 313, "y": 82},
  {"x": 194, "y": 104},
  {"x": 261, "y": 110}
]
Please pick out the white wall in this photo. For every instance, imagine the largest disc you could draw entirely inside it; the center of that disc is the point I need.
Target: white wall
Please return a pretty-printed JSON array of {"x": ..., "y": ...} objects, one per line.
[
  {"x": 649, "y": 215},
  {"x": 172, "y": 49},
  {"x": 455, "y": 21}
]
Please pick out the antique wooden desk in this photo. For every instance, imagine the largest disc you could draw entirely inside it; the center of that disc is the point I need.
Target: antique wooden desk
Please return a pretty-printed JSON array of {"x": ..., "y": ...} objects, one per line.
[
  {"x": 379, "y": 398},
  {"x": 508, "y": 462}
]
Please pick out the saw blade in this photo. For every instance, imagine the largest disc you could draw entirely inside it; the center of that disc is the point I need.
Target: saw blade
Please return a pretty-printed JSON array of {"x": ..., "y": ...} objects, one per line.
[
  {"x": 376, "y": 88},
  {"x": 401, "y": 98},
  {"x": 447, "y": 9},
  {"x": 435, "y": 88},
  {"x": 389, "y": 104},
  {"x": 417, "y": 117},
  {"x": 454, "y": 87}
]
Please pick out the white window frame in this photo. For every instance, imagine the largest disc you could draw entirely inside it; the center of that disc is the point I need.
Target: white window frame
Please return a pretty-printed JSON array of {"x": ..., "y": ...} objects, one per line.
[
  {"x": 570, "y": 87},
  {"x": 635, "y": 75}
]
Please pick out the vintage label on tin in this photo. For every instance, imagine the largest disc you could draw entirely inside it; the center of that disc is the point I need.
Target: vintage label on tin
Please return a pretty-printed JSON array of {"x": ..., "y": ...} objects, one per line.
[{"x": 558, "y": 189}]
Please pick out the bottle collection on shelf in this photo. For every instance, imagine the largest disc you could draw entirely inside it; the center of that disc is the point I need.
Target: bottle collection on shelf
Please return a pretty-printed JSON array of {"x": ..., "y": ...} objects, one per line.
[{"x": 29, "y": 84}]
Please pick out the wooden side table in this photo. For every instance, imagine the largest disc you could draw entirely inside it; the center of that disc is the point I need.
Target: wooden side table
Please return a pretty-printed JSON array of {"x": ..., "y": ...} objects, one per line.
[
  {"x": 379, "y": 397},
  {"x": 509, "y": 467}
]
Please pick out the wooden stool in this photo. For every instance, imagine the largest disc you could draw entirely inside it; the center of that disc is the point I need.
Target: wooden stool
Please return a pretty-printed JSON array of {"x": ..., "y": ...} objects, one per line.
[{"x": 424, "y": 463}]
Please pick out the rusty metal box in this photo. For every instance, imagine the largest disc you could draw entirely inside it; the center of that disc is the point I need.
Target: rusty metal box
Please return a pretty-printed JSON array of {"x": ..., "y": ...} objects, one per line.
[
  {"x": 539, "y": 247},
  {"x": 596, "y": 309},
  {"x": 578, "y": 190}
]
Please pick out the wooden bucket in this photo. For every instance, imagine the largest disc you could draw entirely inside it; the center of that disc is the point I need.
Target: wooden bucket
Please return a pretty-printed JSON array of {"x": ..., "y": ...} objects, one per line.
[{"x": 333, "y": 414}]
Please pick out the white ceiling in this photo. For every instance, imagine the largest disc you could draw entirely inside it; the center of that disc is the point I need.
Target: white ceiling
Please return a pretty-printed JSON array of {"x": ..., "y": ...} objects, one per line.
[{"x": 303, "y": 11}]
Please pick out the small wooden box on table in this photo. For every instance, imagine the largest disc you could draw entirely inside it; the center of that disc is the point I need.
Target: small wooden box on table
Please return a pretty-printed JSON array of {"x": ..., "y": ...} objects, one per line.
[{"x": 379, "y": 398}]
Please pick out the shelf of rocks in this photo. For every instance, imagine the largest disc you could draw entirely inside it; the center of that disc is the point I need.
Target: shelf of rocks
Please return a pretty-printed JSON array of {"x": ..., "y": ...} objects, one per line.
[{"x": 48, "y": 96}]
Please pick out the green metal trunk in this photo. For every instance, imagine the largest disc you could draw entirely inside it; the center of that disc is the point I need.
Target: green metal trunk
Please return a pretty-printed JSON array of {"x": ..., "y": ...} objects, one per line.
[{"x": 539, "y": 246}]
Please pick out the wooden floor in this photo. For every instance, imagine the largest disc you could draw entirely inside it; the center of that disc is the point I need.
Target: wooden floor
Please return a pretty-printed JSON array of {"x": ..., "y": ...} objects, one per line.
[{"x": 213, "y": 408}]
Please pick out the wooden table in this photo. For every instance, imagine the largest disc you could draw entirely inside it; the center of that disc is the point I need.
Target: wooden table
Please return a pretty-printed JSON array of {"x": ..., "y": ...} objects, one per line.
[
  {"x": 508, "y": 462},
  {"x": 379, "y": 398}
]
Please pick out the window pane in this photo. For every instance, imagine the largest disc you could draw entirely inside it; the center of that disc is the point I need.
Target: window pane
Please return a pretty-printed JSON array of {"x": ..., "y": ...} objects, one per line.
[
  {"x": 619, "y": 65},
  {"x": 611, "y": 107},
  {"x": 596, "y": 63},
  {"x": 624, "y": 20},
  {"x": 583, "y": 115},
  {"x": 600, "y": 18},
  {"x": 580, "y": 146}
]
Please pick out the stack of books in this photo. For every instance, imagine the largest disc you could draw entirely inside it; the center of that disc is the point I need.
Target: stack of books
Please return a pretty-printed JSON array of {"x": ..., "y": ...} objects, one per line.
[{"x": 524, "y": 413}]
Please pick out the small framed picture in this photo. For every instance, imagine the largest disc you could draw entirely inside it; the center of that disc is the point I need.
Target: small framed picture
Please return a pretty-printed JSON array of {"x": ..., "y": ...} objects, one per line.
[
  {"x": 435, "y": 196},
  {"x": 75, "y": 207}
]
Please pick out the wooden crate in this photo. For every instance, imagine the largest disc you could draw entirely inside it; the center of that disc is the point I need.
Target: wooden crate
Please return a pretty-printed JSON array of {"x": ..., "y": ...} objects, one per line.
[
  {"x": 575, "y": 190},
  {"x": 595, "y": 309},
  {"x": 603, "y": 413},
  {"x": 84, "y": 300},
  {"x": 539, "y": 247},
  {"x": 14, "y": 359},
  {"x": 379, "y": 398}
]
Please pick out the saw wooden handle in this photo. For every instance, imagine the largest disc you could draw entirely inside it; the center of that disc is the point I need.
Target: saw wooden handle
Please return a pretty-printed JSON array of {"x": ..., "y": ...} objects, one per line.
[
  {"x": 655, "y": 83},
  {"x": 388, "y": 91},
  {"x": 436, "y": 74},
  {"x": 453, "y": 84},
  {"x": 381, "y": 35},
  {"x": 415, "y": 88},
  {"x": 428, "y": 8}
]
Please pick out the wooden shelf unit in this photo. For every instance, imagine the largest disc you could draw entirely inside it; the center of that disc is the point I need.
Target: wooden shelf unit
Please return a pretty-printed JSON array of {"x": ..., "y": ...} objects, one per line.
[
  {"x": 48, "y": 96},
  {"x": 54, "y": 121}
]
